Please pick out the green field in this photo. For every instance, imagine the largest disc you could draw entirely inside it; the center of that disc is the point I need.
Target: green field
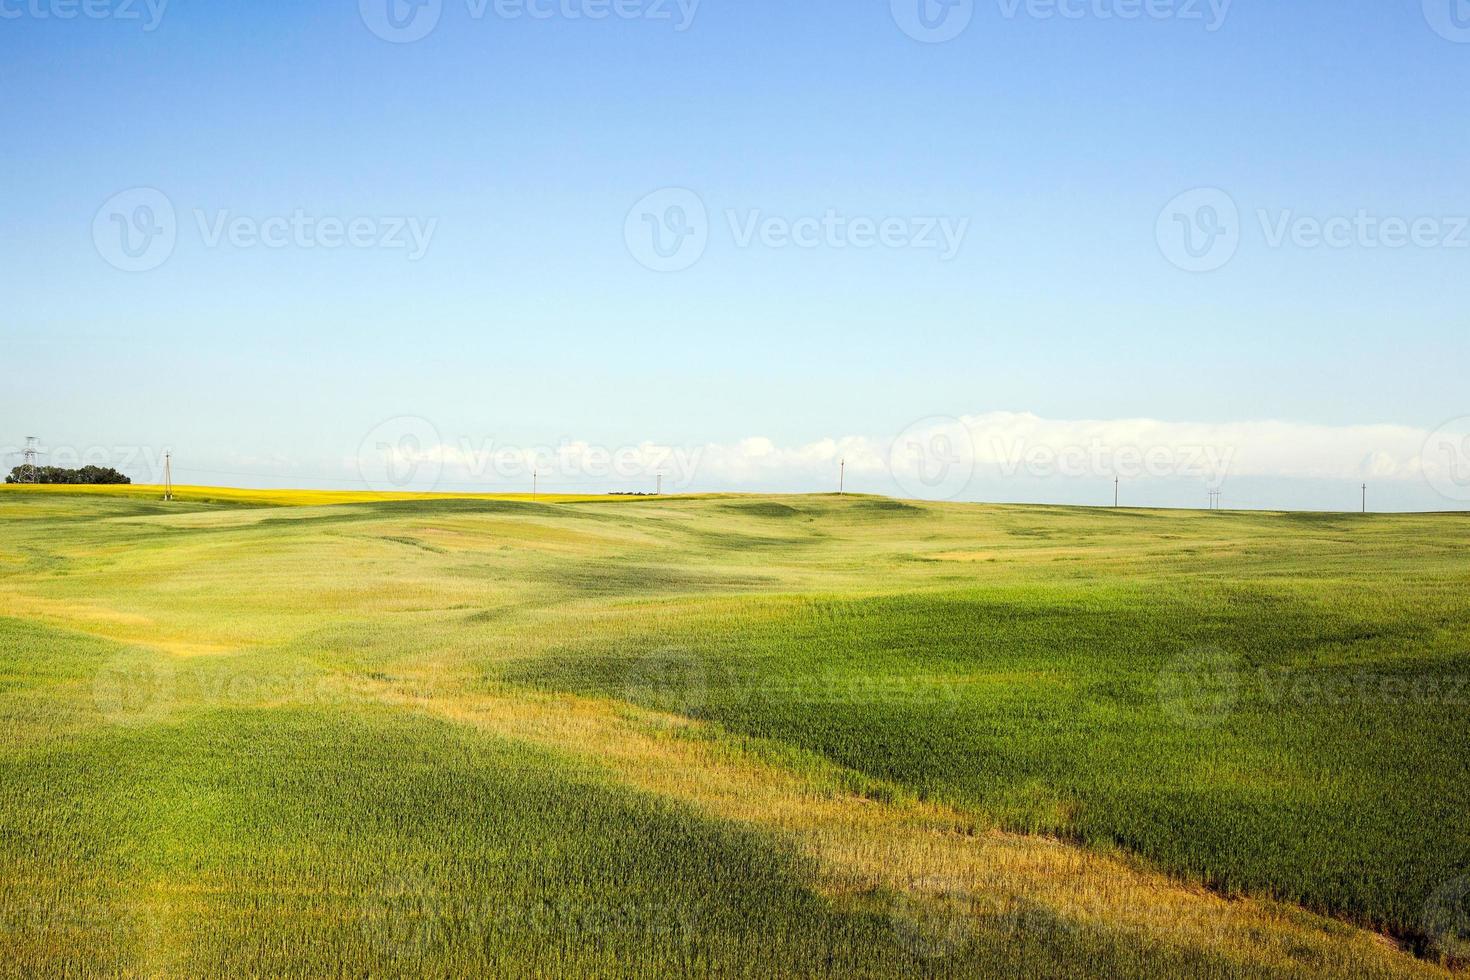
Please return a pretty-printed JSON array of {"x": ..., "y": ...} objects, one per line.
[{"x": 264, "y": 734}]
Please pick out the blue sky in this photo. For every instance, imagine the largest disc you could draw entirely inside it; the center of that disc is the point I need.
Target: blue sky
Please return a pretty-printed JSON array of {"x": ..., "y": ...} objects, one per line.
[{"x": 521, "y": 143}]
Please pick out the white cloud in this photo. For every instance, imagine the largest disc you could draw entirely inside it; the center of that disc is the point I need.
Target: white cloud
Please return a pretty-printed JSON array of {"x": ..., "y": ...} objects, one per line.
[
  {"x": 942, "y": 458},
  {"x": 1023, "y": 444}
]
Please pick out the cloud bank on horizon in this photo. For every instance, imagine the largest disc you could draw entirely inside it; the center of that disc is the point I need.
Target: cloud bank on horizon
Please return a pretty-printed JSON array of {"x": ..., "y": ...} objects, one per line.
[{"x": 944, "y": 458}]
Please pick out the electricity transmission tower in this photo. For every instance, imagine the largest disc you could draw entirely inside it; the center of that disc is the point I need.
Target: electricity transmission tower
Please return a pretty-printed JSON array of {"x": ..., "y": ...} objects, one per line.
[
  {"x": 28, "y": 471},
  {"x": 168, "y": 476}
]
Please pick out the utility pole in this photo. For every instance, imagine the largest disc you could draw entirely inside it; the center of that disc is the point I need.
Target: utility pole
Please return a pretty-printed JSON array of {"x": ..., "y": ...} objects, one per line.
[
  {"x": 534, "y": 475},
  {"x": 28, "y": 472},
  {"x": 842, "y": 477},
  {"x": 168, "y": 476},
  {"x": 1365, "y": 498},
  {"x": 1115, "y": 491},
  {"x": 658, "y": 490}
]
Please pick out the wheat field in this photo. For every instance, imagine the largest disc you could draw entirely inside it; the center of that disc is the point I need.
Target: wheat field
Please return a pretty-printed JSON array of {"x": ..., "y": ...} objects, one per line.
[{"x": 270, "y": 733}]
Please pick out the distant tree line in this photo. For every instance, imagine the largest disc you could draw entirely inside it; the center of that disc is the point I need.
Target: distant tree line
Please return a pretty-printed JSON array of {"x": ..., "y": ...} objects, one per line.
[{"x": 87, "y": 475}]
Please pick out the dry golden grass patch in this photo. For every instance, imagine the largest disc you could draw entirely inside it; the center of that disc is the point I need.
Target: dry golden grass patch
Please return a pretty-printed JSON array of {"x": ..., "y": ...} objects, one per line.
[{"x": 923, "y": 851}]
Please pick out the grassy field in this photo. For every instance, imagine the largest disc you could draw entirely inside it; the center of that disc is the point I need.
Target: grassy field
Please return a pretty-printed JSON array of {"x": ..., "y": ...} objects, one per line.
[{"x": 281, "y": 733}]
